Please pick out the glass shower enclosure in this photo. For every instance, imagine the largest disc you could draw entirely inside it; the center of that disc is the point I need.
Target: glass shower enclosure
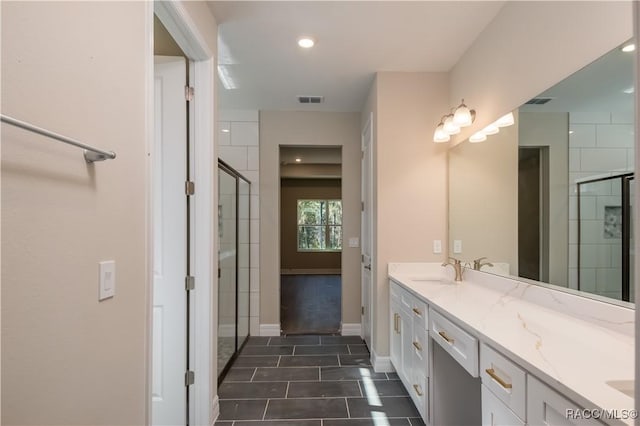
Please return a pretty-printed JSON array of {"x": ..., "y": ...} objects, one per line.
[{"x": 233, "y": 264}]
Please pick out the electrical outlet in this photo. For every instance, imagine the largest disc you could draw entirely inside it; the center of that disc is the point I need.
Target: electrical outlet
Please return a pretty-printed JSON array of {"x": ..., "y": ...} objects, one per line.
[{"x": 437, "y": 246}]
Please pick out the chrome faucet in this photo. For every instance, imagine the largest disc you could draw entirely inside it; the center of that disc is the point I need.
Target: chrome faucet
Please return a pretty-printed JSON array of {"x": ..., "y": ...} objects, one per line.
[
  {"x": 457, "y": 267},
  {"x": 477, "y": 264}
]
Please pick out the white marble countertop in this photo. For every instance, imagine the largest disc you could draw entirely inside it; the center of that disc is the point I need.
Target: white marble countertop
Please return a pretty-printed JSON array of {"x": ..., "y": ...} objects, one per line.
[{"x": 572, "y": 355}]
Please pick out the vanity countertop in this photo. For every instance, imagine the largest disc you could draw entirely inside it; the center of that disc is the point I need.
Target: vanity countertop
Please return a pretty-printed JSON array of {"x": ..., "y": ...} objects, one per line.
[{"x": 571, "y": 354}]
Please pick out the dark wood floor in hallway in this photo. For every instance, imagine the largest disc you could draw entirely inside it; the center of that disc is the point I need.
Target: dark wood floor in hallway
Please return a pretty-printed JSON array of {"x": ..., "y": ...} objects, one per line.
[
  {"x": 310, "y": 304},
  {"x": 311, "y": 381}
]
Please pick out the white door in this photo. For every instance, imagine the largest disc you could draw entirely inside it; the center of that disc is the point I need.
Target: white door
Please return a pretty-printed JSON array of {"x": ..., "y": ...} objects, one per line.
[
  {"x": 169, "y": 352},
  {"x": 366, "y": 231}
]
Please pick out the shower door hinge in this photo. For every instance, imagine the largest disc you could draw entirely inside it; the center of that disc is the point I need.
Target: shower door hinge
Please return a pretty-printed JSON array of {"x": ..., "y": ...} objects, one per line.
[
  {"x": 362, "y": 205},
  {"x": 362, "y": 310},
  {"x": 189, "y": 187},
  {"x": 189, "y": 283},
  {"x": 189, "y": 378},
  {"x": 188, "y": 93}
]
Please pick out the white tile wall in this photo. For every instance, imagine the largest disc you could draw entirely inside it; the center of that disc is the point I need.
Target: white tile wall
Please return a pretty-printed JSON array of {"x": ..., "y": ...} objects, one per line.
[
  {"x": 599, "y": 142},
  {"x": 240, "y": 148}
]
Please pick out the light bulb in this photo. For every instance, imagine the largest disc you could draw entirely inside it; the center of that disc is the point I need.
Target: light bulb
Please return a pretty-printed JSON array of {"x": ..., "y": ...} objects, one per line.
[
  {"x": 449, "y": 126},
  {"x": 462, "y": 116},
  {"x": 478, "y": 137},
  {"x": 628, "y": 48},
  {"x": 440, "y": 135},
  {"x": 505, "y": 120},
  {"x": 491, "y": 129}
]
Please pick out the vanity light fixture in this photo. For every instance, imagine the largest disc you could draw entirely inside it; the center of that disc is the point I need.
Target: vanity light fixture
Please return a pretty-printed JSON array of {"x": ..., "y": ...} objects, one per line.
[
  {"x": 450, "y": 126},
  {"x": 505, "y": 120},
  {"x": 478, "y": 137},
  {"x": 464, "y": 116},
  {"x": 306, "y": 42},
  {"x": 627, "y": 48},
  {"x": 440, "y": 135},
  {"x": 451, "y": 123}
]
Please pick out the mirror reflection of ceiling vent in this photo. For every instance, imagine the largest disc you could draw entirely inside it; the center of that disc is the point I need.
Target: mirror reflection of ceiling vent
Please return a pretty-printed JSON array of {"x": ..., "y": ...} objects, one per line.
[
  {"x": 539, "y": 101},
  {"x": 310, "y": 99}
]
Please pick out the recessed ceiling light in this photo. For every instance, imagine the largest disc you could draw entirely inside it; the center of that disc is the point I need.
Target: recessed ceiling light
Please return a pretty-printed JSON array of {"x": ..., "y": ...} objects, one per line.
[
  {"x": 298, "y": 160},
  {"x": 306, "y": 42},
  {"x": 628, "y": 47}
]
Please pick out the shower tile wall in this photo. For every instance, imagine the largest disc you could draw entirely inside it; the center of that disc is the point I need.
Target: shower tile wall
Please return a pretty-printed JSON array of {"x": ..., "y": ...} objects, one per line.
[
  {"x": 239, "y": 147},
  {"x": 599, "y": 142}
]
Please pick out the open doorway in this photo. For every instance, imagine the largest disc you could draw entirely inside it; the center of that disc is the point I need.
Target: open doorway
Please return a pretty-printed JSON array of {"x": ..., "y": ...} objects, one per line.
[{"x": 310, "y": 240}]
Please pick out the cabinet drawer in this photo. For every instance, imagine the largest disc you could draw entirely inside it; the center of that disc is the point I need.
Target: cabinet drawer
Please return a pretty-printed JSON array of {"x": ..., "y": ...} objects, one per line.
[
  {"x": 420, "y": 349},
  {"x": 505, "y": 379},
  {"x": 495, "y": 413},
  {"x": 419, "y": 392},
  {"x": 545, "y": 406},
  {"x": 462, "y": 346},
  {"x": 419, "y": 312}
]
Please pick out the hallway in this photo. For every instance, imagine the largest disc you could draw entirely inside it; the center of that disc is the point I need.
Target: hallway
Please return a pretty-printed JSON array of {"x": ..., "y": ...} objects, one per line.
[
  {"x": 311, "y": 381},
  {"x": 310, "y": 304}
]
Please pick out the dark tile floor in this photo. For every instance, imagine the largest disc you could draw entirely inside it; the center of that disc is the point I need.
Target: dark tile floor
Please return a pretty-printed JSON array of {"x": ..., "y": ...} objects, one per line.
[{"x": 311, "y": 381}]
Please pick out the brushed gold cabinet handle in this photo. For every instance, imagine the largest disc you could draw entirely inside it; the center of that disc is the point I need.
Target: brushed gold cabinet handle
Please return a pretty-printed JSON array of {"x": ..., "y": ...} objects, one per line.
[
  {"x": 445, "y": 337},
  {"x": 417, "y": 389},
  {"x": 491, "y": 372},
  {"x": 417, "y": 346},
  {"x": 417, "y": 311}
]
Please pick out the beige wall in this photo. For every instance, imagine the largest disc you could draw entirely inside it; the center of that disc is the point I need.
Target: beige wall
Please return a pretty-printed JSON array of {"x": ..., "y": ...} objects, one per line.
[
  {"x": 292, "y": 190},
  {"x": 67, "y": 358},
  {"x": 483, "y": 198},
  {"x": 529, "y": 47},
  {"x": 552, "y": 130},
  {"x": 410, "y": 187},
  {"x": 307, "y": 129},
  {"x": 66, "y": 67},
  {"x": 163, "y": 43}
]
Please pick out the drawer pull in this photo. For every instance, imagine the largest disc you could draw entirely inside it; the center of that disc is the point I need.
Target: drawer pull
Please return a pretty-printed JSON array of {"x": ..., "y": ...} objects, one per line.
[
  {"x": 445, "y": 337},
  {"x": 417, "y": 311},
  {"x": 417, "y": 389},
  {"x": 417, "y": 346},
  {"x": 491, "y": 372}
]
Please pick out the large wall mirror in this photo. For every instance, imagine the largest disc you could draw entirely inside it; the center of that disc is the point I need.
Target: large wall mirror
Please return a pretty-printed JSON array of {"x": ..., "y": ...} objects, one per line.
[{"x": 550, "y": 198}]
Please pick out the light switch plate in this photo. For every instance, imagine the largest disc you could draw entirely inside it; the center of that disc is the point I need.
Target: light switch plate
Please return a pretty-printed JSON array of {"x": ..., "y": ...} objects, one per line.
[
  {"x": 457, "y": 246},
  {"x": 437, "y": 246},
  {"x": 354, "y": 242},
  {"x": 107, "y": 279}
]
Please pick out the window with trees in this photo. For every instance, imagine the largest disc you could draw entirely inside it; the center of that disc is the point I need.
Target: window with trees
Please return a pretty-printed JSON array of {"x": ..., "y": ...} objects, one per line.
[{"x": 319, "y": 225}]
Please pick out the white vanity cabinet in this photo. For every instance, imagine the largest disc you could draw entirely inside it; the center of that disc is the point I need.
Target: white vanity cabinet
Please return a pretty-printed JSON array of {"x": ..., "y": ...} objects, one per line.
[
  {"x": 409, "y": 344},
  {"x": 545, "y": 406}
]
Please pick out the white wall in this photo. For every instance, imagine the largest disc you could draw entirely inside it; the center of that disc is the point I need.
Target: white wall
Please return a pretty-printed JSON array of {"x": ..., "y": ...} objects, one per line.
[
  {"x": 239, "y": 144},
  {"x": 279, "y": 128},
  {"x": 66, "y": 67}
]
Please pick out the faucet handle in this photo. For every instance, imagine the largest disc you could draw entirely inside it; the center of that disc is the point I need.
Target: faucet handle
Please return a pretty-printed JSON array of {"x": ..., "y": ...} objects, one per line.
[
  {"x": 455, "y": 261},
  {"x": 480, "y": 259}
]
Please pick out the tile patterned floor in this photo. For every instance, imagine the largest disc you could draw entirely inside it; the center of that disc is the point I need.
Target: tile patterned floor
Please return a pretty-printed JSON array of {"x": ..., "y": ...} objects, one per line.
[{"x": 311, "y": 381}]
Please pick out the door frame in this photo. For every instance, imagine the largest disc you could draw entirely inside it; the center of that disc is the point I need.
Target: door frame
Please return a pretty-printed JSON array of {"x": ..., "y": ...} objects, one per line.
[
  {"x": 203, "y": 404},
  {"x": 369, "y": 303}
]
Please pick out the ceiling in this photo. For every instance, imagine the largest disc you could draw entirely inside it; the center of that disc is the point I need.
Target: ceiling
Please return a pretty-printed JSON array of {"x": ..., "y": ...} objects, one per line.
[
  {"x": 310, "y": 155},
  {"x": 258, "y": 48}
]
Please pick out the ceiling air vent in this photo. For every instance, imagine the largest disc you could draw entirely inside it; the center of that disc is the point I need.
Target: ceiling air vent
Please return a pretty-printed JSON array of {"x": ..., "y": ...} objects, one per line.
[
  {"x": 538, "y": 101},
  {"x": 310, "y": 99}
]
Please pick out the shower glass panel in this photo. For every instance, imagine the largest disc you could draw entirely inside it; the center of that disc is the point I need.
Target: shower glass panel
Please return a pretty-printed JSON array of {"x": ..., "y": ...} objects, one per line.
[
  {"x": 244, "y": 193},
  {"x": 234, "y": 240},
  {"x": 227, "y": 215},
  {"x": 605, "y": 236}
]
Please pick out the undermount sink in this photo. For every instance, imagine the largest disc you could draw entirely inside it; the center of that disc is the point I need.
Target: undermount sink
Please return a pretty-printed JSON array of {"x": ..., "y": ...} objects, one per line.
[{"x": 624, "y": 386}]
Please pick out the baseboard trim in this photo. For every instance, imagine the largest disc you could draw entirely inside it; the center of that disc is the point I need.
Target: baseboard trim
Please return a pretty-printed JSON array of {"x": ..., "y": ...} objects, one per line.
[
  {"x": 381, "y": 364},
  {"x": 310, "y": 272},
  {"x": 215, "y": 410},
  {"x": 269, "y": 329},
  {"x": 351, "y": 329}
]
